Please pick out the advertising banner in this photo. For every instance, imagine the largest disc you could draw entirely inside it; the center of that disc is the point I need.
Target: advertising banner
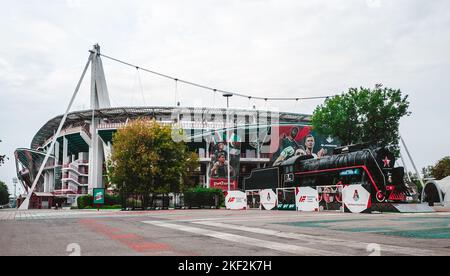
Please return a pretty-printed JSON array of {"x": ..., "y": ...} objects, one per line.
[
  {"x": 253, "y": 199},
  {"x": 291, "y": 140},
  {"x": 236, "y": 200},
  {"x": 222, "y": 183},
  {"x": 307, "y": 199},
  {"x": 222, "y": 149},
  {"x": 286, "y": 199},
  {"x": 330, "y": 198},
  {"x": 99, "y": 196},
  {"x": 268, "y": 199},
  {"x": 356, "y": 198}
]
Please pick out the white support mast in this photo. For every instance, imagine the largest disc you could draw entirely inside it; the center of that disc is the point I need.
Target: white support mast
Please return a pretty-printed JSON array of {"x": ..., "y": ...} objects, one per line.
[
  {"x": 26, "y": 203},
  {"x": 412, "y": 162},
  {"x": 99, "y": 99}
]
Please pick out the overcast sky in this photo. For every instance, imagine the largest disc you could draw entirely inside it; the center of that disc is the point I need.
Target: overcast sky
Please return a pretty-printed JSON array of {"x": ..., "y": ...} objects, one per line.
[{"x": 260, "y": 47}]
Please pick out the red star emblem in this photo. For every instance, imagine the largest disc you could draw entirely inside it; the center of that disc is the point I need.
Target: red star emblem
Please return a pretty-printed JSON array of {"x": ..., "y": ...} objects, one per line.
[{"x": 386, "y": 162}]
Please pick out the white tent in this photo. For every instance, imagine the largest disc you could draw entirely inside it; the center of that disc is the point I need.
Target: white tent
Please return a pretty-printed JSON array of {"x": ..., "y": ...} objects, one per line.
[{"x": 437, "y": 191}]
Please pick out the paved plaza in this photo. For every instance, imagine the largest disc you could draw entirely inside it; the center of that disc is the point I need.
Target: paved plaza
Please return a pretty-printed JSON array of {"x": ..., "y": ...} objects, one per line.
[{"x": 221, "y": 233}]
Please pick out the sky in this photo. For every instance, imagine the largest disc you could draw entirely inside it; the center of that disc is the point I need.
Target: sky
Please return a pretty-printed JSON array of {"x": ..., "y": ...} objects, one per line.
[{"x": 269, "y": 48}]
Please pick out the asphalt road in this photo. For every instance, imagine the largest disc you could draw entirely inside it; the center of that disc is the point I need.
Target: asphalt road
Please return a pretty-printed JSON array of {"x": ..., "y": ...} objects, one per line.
[{"x": 221, "y": 233}]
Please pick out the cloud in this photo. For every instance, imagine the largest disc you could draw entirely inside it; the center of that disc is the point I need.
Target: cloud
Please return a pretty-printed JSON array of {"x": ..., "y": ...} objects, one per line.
[
  {"x": 266, "y": 47},
  {"x": 74, "y": 3},
  {"x": 373, "y": 3}
]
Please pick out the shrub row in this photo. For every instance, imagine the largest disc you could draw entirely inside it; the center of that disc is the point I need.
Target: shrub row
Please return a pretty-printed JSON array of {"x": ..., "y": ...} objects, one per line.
[
  {"x": 87, "y": 201},
  {"x": 202, "y": 197},
  {"x": 193, "y": 198}
]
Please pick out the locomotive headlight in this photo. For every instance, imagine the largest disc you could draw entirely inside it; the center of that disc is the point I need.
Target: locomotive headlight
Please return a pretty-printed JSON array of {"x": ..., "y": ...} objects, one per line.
[{"x": 390, "y": 177}]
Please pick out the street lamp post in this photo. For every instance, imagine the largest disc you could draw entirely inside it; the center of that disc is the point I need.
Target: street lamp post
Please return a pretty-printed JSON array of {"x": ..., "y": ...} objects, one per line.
[
  {"x": 15, "y": 181},
  {"x": 228, "y": 96}
]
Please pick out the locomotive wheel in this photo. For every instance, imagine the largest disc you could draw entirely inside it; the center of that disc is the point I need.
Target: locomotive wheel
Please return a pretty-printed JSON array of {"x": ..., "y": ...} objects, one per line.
[{"x": 380, "y": 197}]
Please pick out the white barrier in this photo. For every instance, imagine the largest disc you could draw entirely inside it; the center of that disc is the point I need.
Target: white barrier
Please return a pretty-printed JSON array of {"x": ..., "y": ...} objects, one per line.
[
  {"x": 307, "y": 199},
  {"x": 353, "y": 198},
  {"x": 356, "y": 198},
  {"x": 236, "y": 200},
  {"x": 330, "y": 198},
  {"x": 269, "y": 199}
]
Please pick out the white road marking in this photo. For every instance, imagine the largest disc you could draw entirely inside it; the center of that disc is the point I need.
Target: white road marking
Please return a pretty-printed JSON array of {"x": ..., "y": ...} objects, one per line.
[
  {"x": 321, "y": 240},
  {"x": 294, "y": 216},
  {"x": 288, "y": 248}
]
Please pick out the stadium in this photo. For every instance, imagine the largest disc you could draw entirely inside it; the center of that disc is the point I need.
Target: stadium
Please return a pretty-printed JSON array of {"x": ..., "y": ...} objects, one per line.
[
  {"x": 77, "y": 166},
  {"x": 83, "y": 143}
]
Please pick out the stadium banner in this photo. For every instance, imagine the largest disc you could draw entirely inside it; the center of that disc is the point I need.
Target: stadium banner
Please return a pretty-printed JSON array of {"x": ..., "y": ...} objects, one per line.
[
  {"x": 222, "y": 184},
  {"x": 221, "y": 149},
  {"x": 356, "y": 198},
  {"x": 99, "y": 196},
  {"x": 330, "y": 198},
  {"x": 286, "y": 199},
  {"x": 295, "y": 139},
  {"x": 307, "y": 199},
  {"x": 268, "y": 199},
  {"x": 236, "y": 200},
  {"x": 253, "y": 199}
]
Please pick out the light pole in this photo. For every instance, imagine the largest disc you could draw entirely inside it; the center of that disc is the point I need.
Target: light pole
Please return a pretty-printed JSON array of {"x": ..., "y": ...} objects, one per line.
[
  {"x": 15, "y": 181},
  {"x": 228, "y": 96}
]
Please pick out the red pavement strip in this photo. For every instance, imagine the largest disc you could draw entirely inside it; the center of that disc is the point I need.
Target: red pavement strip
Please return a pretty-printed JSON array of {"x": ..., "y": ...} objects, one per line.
[{"x": 135, "y": 242}]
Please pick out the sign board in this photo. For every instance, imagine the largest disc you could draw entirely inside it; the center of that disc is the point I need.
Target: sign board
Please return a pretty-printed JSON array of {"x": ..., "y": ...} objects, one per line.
[
  {"x": 330, "y": 198},
  {"x": 224, "y": 146},
  {"x": 356, "y": 198},
  {"x": 99, "y": 196},
  {"x": 268, "y": 199},
  {"x": 307, "y": 199},
  {"x": 253, "y": 199},
  {"x": 286, "y": 199},
  {"x": 71, "y": 199},
  {"x": 222, "y": 184},
  {"x": 236, "y": 200}
]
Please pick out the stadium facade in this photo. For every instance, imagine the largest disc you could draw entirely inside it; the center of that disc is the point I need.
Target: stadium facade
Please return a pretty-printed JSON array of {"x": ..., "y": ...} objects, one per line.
[{"x": 76, "y": 166}]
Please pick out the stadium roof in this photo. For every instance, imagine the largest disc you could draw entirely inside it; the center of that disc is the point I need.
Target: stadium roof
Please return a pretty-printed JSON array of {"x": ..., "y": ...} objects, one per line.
[{"x": 51, "y": 126}]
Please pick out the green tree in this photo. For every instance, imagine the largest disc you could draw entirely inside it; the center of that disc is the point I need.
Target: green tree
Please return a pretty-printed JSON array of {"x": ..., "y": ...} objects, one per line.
[
  {"x": 441, "y": 169},
  {"x": 363, "y": 115},
  {"x": 4, "y": 195},
  {"x": 147, "y": 160},
  {"x": 426, "y": 172}
]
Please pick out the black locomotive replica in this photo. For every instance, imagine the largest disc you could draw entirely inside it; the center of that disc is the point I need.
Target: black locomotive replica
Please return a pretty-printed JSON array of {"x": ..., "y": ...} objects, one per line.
[{"x": 373, "y": 168}]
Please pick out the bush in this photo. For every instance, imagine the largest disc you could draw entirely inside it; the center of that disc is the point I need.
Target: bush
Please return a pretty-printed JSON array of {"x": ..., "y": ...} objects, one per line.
[
  {"x": 113, "y": 200},
  {"x": 203, "y": 197},
  {"x": 85, "y": 201}
]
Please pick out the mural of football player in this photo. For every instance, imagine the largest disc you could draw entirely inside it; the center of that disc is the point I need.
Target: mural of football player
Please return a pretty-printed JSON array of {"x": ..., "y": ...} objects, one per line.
[
  {"x": 310, "y": 142},
  {"x": 288, "y": 146},
  {"x": 220, "y": 168}
]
